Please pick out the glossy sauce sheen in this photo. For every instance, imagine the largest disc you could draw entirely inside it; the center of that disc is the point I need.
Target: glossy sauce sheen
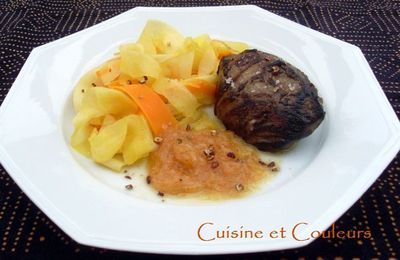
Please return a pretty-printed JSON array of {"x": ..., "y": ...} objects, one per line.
[{"x": 180, "y": 164}]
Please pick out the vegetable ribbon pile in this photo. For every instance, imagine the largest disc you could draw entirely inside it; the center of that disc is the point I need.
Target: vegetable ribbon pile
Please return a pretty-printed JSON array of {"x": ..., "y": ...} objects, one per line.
[{"x": 162, "y": 80}]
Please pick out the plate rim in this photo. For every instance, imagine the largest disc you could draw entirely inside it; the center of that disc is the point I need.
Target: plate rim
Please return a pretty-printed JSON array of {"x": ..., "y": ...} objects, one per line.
[{"x": 379, "y": 164}]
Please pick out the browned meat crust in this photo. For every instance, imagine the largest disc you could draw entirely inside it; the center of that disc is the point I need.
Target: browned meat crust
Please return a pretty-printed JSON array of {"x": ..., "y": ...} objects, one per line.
[{"x": 266, "y": 101}]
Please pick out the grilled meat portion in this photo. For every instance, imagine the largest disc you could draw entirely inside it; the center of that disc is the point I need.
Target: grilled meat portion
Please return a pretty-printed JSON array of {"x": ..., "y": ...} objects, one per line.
[{"x": 266, "y": 101}]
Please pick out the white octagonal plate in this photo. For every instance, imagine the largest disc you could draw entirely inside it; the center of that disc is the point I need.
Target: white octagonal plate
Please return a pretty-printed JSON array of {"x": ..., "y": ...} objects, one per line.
[{"x": 320, "y": 178}]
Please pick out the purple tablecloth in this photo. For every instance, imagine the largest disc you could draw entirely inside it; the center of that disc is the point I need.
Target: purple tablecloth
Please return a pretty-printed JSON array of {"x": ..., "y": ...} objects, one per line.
[{"x": 372, "y": 25}]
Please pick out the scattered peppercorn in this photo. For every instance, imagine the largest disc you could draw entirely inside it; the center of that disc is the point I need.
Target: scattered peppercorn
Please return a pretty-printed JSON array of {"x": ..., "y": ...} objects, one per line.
[
  {"x": 275, "y": 70},
  {"x": 239, "y": 187},
  {"x": 129, "y": 81},
  {"x": 128, "y": 177},
  {"x": 129, "y": 187},
  {"x": 93, "y": 84},
  {"x": 209, "y": 153},
  {"x": 275, "y": 169},
  {"x": 161, "y": 194},
  {"x": 271, "y": 164},
  {"x": 179, "y": 141},
  {"x": 214, "y": 164},
  {"x": 148, "y": 179},
  {"x": 158, "y": 140},
  {"x": 143, "y": 80},
  {"x": 188, "y": 128},
  {"x": 231, "y": 155},
  {"x": 83, "y": 91},
  {"x": 261, "y": 162}
]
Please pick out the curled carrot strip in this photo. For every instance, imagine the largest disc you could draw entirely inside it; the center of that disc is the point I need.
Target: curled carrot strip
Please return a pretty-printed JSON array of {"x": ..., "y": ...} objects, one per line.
[
  {"x": 151, "y": 104},
  {"x": 200, "y": 87}
]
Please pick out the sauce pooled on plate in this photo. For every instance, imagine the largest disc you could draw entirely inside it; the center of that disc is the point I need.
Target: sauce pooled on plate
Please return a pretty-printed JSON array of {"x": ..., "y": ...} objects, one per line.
[{"x": 207, "y": 162}]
